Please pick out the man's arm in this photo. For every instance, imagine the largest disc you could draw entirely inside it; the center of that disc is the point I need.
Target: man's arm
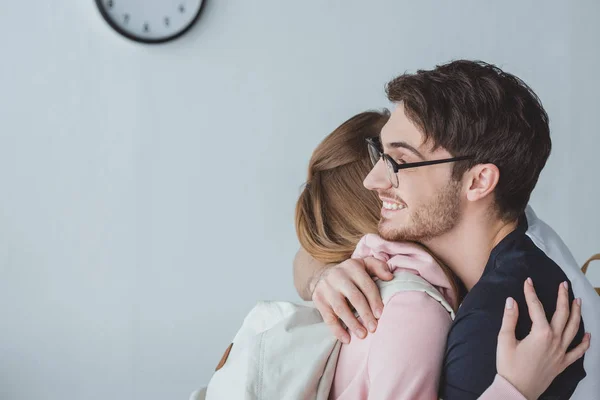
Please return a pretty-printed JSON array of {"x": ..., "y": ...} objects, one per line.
[{"x": 306, "y": 273}]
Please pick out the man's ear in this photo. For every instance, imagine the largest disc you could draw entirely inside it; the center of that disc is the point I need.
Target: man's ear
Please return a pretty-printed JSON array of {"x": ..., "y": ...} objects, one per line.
[{"x": 482, "y": 179}]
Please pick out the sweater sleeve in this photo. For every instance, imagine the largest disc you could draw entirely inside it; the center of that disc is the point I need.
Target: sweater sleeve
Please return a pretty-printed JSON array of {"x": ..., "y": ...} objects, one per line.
[
  {"x": 501, "y": 389},
  {"x": 405, "y": 358}
]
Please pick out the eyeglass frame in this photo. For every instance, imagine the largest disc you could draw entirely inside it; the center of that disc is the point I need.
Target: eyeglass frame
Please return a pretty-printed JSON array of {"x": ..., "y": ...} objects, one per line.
[{"x": 374, "y": 143}]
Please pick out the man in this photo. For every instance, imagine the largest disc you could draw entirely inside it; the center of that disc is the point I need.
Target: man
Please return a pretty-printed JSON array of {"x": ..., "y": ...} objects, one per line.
[{"x": 455, "y": 167}]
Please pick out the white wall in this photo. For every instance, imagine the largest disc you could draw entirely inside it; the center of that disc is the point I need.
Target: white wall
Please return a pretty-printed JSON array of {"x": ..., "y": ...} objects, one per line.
[{"x": 137, "y": 180}]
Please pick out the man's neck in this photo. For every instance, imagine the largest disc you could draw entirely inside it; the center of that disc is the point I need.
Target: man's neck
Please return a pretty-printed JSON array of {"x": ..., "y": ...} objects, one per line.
[{"x": 467, "y": 248}]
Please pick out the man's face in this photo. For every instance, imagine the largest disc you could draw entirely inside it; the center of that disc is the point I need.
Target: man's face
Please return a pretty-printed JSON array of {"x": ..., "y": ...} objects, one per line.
[{"x": 427, "y": 201}]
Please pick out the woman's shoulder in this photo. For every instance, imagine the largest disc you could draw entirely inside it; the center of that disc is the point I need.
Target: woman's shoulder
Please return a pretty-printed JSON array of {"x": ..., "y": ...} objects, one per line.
[{"x": 414, "y": 304}]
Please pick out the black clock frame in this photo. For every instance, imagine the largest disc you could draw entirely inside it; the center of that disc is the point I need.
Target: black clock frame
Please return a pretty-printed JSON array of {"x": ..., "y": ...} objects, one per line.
[{"x": 118, "y": 29}]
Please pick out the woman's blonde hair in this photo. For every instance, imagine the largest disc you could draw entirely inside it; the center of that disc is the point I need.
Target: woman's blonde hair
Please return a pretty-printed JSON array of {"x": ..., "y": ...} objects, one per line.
[{"x": 334, "y": 210}]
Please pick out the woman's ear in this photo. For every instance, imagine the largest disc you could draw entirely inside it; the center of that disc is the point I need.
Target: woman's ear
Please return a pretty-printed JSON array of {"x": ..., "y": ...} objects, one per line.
[{"x": 482, "y": 180}]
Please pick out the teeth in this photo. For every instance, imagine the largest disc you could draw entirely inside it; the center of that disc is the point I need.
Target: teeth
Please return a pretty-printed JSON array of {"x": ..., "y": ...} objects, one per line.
[{"x": 392, "y": 206}]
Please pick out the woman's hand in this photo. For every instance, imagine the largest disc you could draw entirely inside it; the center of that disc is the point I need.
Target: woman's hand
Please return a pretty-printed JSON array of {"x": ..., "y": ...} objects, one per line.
[{"x": 531, "y": 364}]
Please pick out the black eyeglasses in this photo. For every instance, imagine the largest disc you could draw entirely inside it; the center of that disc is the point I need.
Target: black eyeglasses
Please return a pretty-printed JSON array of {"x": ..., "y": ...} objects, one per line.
[{"x": 392, "y": 167}]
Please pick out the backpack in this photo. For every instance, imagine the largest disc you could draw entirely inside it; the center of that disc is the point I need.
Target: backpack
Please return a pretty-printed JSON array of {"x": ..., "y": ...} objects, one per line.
[{"x": 285, "y": 350}]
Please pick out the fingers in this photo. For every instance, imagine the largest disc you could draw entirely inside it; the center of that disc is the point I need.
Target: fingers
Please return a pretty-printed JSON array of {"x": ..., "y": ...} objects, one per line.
[
  {"x": 358, "y": 300},
  {"x": 561, "y": 315},
  {"x": 334, "y": 324},
  {"x": 573, "y": 325},
  {"x": 369, "y": 290},
  {"x": 577, "y": 352},
  {"x": 378, "y": 268},
  {"x": 507, "y": 337},
  {"x": 329, "y": 315},
  {"x": 348, "y": 286},
  {"x": 340, "y": 307},
  {"x": 536, "y": 309},
  {"x": 362, "y": 292},
  {"x": 322, "y": 297}
]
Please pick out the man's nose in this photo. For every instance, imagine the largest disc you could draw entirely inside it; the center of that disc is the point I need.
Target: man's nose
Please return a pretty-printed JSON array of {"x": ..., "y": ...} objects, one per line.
[{"x": 377, "y": 179}]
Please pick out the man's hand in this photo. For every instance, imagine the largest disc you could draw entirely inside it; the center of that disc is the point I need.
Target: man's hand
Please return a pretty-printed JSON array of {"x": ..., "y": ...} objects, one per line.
[{"x": 351, "y": 283}]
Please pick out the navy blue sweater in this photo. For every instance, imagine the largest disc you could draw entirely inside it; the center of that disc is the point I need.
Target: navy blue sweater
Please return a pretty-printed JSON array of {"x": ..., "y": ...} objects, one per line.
[{"x": 470, "y": 361}]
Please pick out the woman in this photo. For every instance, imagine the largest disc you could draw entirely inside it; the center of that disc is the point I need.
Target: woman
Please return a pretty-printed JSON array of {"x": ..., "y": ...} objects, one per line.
[{"x": 402, "y": 356}]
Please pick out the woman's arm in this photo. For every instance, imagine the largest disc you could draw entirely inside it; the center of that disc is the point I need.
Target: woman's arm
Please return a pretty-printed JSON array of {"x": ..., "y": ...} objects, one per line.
[
  {"x": 530, "y": 365},
  {"x": 501, "y": 389},
  {"x": 407, "y": 350}
]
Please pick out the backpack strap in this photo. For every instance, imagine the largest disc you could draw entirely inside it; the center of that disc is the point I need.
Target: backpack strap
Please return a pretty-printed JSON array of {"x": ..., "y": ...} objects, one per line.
[
  {"x": 595, "y": 257},
  {"x": 405, "y": 281}
]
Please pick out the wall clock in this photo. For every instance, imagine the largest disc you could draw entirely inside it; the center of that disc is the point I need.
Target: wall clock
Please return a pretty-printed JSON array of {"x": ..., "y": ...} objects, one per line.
[{"x": 150, "y": 21}]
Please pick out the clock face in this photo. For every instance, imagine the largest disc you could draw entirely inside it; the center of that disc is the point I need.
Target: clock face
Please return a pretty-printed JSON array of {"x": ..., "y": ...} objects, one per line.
[{"x": 150, "y": 21}]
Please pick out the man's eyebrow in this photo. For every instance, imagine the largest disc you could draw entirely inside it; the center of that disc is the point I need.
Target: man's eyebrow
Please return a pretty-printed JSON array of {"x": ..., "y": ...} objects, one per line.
[{"x": 404, "y": 145}]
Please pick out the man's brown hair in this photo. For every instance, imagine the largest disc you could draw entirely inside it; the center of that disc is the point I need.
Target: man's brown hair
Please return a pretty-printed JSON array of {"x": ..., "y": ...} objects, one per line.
[{"x": 475, "y": 108}]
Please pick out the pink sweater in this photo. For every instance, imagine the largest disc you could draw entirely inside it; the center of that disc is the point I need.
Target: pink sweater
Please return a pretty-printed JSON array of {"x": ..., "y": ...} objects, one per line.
[{"x": 403, "y": 358}]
